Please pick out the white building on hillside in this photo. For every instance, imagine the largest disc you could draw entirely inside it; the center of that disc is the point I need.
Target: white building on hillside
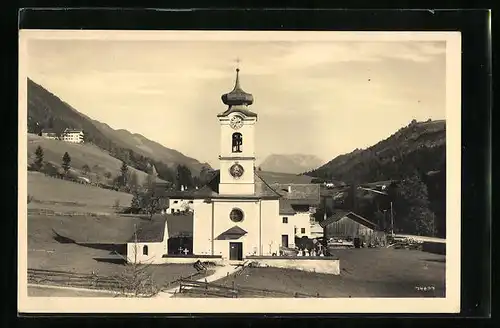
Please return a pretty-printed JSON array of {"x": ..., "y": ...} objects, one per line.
[{"x": 72, "y": 135}]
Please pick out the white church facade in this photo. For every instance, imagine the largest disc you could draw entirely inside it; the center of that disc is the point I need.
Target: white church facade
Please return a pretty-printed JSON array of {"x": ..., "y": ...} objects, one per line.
[{"x": 238, "y": 214}]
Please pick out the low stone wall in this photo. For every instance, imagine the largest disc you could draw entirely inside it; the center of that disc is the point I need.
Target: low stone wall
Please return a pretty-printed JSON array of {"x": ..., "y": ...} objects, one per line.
[
  {"x": 188, "y": 259},
  {"x": 318, "y": 264}
]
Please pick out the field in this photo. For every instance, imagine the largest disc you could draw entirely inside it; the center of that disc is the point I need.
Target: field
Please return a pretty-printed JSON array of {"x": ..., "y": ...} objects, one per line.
[
  {"x": 97, "y": 159},
  {"x": 364, "y": 273},
  {"x": 66, "y": 196}
]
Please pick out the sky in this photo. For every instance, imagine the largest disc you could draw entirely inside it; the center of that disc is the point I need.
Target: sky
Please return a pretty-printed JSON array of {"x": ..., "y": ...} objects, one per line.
[{"x": 324, "y": 98}]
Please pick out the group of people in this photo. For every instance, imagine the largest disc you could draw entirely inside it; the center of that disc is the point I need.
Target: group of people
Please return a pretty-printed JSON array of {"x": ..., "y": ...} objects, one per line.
[{"x": 313, "y": 252}]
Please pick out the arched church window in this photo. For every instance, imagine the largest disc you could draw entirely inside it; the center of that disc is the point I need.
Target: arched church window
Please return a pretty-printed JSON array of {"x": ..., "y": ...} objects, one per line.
[
  {"x": 237, "y": 142},
  {"x": 145, "y": 250},
  {"x": 236, "y": 215}
]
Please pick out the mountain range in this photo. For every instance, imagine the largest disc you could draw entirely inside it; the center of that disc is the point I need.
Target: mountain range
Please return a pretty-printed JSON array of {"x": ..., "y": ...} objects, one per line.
[
  {"x": 47, "y": 111},
  {"x": 420, "y": 146},
  {"x": 290, "y": 163}
]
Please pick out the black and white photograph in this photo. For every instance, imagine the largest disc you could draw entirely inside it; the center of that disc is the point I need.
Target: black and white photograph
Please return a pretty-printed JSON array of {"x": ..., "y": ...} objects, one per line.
[{"x": 316, "y": 170}]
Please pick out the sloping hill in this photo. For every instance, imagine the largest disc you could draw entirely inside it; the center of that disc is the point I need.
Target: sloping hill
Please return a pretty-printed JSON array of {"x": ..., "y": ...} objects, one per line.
[
  {"x": 420, "y": 146},
  {"x": 45, "y": 110},
  {"x": 290, "y": 163},
  {"x": 151, "y": 149},
  {"x": 66, "y": 196},
  {"x": 98, "y": 160}
]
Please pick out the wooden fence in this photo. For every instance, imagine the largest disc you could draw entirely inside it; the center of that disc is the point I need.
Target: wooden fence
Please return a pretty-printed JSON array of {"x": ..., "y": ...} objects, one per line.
[
  {"x": 206, "y": 289},
  {"x": 72, "y": 279},
  {"x": 89, "y": 281}
]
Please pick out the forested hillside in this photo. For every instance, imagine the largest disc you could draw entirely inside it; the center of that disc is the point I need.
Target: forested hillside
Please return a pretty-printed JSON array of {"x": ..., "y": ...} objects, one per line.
[
  {"x": 420, "y": 146},
  {"x": 416, "y": 156}
]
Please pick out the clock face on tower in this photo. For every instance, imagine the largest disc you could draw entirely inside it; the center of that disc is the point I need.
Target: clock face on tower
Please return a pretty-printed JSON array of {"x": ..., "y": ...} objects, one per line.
[
  {"x": 236, "y": 122},
  {"x": 236, "y": 170}
]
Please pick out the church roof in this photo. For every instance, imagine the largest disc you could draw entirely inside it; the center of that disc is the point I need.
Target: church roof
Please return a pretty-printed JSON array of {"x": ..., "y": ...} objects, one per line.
[
  {"x": 211, "y": 189},
  {"x": 237, "y": 96},
  {"x": 180, "y": 225},
  {"x": 237, "y": 109}
]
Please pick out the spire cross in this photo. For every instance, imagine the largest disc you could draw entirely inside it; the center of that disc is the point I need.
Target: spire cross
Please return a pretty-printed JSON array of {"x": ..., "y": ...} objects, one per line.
[{"x": 238, "y": 63}]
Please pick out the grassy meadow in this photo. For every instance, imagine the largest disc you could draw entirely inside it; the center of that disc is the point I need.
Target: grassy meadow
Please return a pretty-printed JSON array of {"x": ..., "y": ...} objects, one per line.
[
  {"x": 366, "y": 272},
  {"x": 98, "y": 160},
  {"x": 66, "y": 196}
]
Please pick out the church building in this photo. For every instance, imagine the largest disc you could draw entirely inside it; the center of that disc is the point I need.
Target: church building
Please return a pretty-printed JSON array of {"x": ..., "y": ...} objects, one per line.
[{"x": 237, "y": 213}]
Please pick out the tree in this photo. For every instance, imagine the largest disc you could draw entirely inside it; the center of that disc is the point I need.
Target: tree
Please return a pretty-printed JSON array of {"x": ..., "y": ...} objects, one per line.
[
  {"x": 412, "y": 212},
  {"x": 85, "y": 169},
  {"x": 136, "y": 280},
  {"x": 184, "y": 176},
  {"x": 136, "y": 200},
  {"x": 133, "y": 182},
  {"x": 66, "y": 162},
  {"x": 39, "y": 158},
  {"x": 152, "y": 206},
  {"x": 205, "y": 175},
  {"x": 116, "y": 205},
  {"x": 122, "y": 181},
  {"x": 149, "y": 183}
]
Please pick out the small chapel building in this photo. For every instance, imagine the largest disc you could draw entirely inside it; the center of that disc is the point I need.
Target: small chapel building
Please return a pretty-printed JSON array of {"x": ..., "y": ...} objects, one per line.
[{"x": 238, "y": 214}]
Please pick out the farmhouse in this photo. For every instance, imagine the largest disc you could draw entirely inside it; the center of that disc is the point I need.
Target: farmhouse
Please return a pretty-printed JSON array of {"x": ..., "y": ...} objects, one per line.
[
  {"x": 237, "y": 213},
  {"x": 344, "y": 225},
  {"x": 49, "y": 134},
  {"x": 72, "y": 135}
]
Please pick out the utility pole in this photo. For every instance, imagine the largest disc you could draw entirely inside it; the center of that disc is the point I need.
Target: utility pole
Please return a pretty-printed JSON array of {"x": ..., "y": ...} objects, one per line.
[{"x": 392, "y": 222}]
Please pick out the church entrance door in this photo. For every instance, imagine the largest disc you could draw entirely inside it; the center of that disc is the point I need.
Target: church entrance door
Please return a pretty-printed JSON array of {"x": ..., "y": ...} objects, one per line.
[{"x": 235, "y": 251}]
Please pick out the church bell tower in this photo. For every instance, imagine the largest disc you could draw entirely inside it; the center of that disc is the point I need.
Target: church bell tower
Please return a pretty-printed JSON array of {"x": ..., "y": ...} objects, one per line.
[{"x": 237, "y": 144}]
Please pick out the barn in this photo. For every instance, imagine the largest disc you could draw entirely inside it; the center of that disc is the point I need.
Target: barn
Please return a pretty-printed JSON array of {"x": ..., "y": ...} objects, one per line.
[{"x": 351, "y": 227}]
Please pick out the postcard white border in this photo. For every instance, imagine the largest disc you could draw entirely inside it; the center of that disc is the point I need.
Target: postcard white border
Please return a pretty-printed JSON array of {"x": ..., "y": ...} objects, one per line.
[{"x": 449, "y": 304}]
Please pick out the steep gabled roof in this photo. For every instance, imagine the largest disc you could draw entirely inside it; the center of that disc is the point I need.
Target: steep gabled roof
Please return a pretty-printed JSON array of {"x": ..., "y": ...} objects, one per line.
[
  {"x": 339, "y": 214},
  {"x": 153, "y": 231},
  {"x": 150, "y": 231},
  {"x": 285, "y": 207},
  {"x": 300, "y": 194}
]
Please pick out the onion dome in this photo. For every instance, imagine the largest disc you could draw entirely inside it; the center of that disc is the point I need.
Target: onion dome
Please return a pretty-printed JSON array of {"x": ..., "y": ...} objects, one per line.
[{"x": 237, "y": 96}]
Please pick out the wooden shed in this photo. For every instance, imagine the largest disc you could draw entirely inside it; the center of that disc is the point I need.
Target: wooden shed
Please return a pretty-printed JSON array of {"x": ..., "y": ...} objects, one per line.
[{"x": 350, "y": 226}]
